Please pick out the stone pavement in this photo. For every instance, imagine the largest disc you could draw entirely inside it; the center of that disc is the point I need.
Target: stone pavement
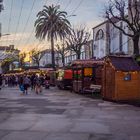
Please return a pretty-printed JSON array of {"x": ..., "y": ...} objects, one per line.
[{"x": 62, "y": 115}]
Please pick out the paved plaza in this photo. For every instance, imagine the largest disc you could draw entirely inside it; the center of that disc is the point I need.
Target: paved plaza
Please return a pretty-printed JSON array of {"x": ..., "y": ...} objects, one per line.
[{"x": 62, "y": 115}]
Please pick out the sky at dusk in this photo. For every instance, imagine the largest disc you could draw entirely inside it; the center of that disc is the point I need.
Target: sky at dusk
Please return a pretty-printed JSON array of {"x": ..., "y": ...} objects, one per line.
[{"x": 18, "y": 19}]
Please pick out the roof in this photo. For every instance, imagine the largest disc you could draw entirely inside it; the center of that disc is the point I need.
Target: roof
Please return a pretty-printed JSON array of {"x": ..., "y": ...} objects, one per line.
[
  {"x": 8, "y": 48},
  {"x": 4, "y": 48},
  {"x": 88, "y": 62},
  {"x": 124, "y": 63},
  {"x": 115, "y": 20},
  {"x": 104, "y": 22},
  {"x": 46, "y": 51}
]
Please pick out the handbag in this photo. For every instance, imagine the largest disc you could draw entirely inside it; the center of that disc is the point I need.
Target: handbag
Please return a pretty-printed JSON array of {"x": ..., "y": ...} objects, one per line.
[{"x": 21, "y": 87}]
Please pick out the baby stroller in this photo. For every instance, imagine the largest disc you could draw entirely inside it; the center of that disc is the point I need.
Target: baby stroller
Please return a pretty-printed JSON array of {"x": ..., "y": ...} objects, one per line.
[{"x": 47, "y": 84}]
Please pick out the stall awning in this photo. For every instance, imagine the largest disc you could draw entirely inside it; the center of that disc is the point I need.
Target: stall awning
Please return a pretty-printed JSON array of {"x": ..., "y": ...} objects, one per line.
[{"x": 89, "y": 62}]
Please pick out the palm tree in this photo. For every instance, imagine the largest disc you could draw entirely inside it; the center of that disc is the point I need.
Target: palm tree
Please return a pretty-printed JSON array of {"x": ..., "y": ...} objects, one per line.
[{"x": 52, "y": 23}]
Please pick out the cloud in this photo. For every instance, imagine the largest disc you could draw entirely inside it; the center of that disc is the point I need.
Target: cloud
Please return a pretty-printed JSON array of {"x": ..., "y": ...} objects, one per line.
[{"x": 40, "y": 45}]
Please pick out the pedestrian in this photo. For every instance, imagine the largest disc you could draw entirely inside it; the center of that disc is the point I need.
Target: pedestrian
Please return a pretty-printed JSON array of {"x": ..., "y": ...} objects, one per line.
[
  {"x": 16, "y": 80},
  {"x": 32, "y": 78},
  {"x": 26, "y": 83},
  {"x": 38, "y": 85},
  {"x": 21, "y": 86}
]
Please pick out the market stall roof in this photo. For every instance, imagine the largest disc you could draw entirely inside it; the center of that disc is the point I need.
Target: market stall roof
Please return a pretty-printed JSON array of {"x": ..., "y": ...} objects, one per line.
[
  {"x": 46, "y": 69},
  {"x": 88, "y": 62},
  {"x": 124, "y": 63}
]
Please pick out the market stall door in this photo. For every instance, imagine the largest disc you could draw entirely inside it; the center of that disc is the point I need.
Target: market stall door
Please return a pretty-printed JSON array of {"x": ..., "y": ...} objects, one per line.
[{"x": 109, "y": 83}]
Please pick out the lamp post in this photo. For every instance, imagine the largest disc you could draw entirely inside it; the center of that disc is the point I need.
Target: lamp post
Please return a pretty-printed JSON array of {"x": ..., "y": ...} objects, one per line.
[
  {"x": 1, "y": 5},
  {"x": 71, "y": 15}
]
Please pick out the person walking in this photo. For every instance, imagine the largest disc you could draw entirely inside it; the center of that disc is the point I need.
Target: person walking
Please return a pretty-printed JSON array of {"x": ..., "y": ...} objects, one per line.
[
  {"x": 38, "y": 85},
  {"x": 20, "y": 82},
  {"x": 26, "y": 83},
  {"x": 32, "y": 78}
]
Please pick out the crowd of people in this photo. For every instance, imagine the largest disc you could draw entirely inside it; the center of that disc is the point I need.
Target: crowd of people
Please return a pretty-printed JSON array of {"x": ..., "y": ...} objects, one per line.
[{"x": 34, "y": 81}]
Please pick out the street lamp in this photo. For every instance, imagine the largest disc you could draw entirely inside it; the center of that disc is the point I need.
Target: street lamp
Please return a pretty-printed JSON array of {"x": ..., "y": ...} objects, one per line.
[
  {"x": 1, "y": 5},
  {"x": 71, "y": 15}
]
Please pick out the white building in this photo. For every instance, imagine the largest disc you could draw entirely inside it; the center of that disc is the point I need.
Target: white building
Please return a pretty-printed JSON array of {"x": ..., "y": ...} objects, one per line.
[
  {"x": 106, "y": 40},
  {"x": 86, "y": 53},
  {"x": 109, "y": 40},
  {"x": 7, "y": 52},
  {"x": 47, "y": 58}
]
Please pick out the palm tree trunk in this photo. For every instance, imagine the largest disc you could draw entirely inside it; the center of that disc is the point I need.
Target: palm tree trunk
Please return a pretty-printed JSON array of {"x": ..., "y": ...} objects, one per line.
[
  {"x": 52, "y": 52},
  {"x": 38, "y": 65},
  {"x": 136, "y": 45},
  {"x": 63, "y": 60},
  {"x": 78, "y": 55}
]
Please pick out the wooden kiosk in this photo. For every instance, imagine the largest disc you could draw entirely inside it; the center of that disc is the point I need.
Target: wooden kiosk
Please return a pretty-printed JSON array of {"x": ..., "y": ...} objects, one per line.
[
  {"x": 85, "y": 73},
  {"x": 121, "y": 79},
  {"x": 64, "y": 79}
]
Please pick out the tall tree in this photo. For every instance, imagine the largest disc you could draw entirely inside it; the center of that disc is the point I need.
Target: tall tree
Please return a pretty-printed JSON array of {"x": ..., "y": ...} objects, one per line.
[
  {"x": 36, "y": 56},
  {"x": 77, "y": 39},
  {"x": 5, "y": 64},
  {"x": 128, "y": 13},
  {"x": 52, "y": 23},
  {"x": 22, "y": 57},
  {"x": 62, "y": 50}
]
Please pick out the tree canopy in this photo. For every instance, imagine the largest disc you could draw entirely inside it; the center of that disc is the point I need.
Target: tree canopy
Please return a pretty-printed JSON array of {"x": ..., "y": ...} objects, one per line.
[
  {"x": 77, "y": 39},
  {"x": 52, "y": 23}
]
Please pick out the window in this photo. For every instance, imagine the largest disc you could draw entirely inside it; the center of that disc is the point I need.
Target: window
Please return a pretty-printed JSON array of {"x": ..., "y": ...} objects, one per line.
[{"x": 99, "y": 35}]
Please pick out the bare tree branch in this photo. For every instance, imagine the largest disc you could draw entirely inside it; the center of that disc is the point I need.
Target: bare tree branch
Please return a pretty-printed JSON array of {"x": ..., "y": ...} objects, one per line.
[
  {"x": 117, "y": 11},
  {"x": 77, "y": 39},
  {"x": 36, "y": 55}
]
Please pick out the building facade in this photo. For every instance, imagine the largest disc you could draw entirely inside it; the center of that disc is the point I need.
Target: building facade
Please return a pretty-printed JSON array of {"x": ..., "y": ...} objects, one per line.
[
  {"x": 106, "y": 40},
  {"x": 86, "y": 53},
  {"x": 109, "y": 40},
  {"x": 47, "y": 58},
  {"x": 8, "y": 52}
]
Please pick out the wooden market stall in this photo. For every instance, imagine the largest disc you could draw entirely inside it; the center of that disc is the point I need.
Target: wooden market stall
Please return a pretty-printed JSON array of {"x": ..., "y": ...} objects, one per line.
[
  {"x": 85, "y": 73},
  {"x": 121, "y": 79},
  {"x": 52, "y": 75},
  {"x": 64, "y": 79}
]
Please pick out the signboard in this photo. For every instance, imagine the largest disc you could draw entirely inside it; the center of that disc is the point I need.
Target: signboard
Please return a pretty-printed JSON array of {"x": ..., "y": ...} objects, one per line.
[
  {"x": 87, "y": 71},
  {"x": 127, "y": 77}
]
